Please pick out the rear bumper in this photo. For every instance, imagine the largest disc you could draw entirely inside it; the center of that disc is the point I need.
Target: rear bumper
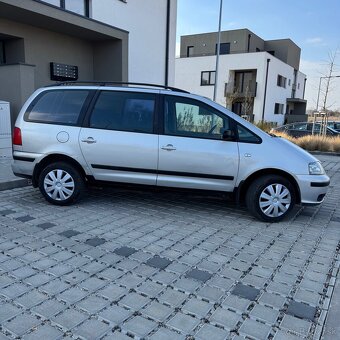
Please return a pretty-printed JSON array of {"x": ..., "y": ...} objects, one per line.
[{"x": 313, "y": 188}]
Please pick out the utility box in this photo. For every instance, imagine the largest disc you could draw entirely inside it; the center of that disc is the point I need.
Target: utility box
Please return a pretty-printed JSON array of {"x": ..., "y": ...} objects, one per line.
[{"x": 5, "y": 130}]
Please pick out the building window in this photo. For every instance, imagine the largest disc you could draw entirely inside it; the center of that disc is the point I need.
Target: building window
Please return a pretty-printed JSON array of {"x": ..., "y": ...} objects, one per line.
[
  {"x": 298, "y": 86},
  {"x": 80, "y": 7},
  {"x": 190, "y": 51},
  {"x": 208, "y": 78},
  {"x": 224, "y": 48},
  {"x": 288, "y": 82},
  {"x": 281, "y": 81},
  {"x": 278, "y": 110},
  {"x": 2, "y": 53}
]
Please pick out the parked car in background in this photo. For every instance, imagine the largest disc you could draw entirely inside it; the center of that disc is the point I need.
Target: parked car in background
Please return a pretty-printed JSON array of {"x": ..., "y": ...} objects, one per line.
[
  {"x": 69, "y": 135},
  {"x": 304, "y": 129},
  {"x": 334, "y": 125}
]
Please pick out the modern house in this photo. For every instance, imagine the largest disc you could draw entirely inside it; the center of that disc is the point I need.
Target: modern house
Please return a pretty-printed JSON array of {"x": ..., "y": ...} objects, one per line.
[
  {"x": 257, "y": 79},
  {"x": 45, "y": 41}
]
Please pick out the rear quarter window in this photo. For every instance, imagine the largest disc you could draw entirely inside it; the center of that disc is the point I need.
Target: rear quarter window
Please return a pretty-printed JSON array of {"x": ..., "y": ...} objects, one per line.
[{"x": 57, "y": 106}]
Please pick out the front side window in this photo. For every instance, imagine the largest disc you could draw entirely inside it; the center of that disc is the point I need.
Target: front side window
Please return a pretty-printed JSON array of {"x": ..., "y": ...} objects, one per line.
[
  {"x": 123, "y": 111},
  {"x": 189, "y": 118},
  {"x": 246, "y": 136},
  {"x": 59, "y": 107}
]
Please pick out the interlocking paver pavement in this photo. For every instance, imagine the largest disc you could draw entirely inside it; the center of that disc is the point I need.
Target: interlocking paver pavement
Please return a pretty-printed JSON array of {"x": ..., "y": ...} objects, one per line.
[{"x": 125, "y": 264}]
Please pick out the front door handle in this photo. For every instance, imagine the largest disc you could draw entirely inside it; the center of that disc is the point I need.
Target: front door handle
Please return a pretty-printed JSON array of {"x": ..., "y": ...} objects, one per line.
[
  {"x": 89, "y": 140},
  {"x": 168, "y": 147}
]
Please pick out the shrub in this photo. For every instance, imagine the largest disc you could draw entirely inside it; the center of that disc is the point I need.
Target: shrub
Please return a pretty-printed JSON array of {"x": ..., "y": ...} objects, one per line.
[
  {"x": 314, "y": 142},
  {"x": 266, "y": 126}
]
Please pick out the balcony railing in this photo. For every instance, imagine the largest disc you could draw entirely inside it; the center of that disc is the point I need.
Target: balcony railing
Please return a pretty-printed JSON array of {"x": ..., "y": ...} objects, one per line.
[{"x": 232, "y": 89}]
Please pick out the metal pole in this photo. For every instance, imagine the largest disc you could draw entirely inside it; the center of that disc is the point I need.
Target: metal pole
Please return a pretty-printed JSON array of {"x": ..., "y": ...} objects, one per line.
[{"x": 218, "y": 50}]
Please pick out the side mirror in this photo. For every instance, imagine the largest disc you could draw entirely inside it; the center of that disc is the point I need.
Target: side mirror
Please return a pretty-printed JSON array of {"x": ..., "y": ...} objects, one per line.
[{"x": 228, "y": 135}]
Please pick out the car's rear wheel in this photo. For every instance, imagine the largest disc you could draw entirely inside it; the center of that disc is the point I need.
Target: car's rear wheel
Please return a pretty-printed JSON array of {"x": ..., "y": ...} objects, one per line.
[
  {"x": 270, "y": 198},
  {"x": 61, "y": 183}
]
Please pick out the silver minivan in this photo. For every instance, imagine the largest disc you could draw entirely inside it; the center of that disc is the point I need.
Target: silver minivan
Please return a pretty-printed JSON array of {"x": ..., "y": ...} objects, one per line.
[{"x": 70, "y": 134}]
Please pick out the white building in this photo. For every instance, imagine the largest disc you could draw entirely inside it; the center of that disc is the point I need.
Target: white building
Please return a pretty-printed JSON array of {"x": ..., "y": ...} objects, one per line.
[
  {"x": 257, "y": 79},
  {"x": 44, "y": 41}
]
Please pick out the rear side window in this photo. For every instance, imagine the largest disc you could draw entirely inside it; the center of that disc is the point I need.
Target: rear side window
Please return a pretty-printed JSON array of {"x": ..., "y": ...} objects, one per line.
[
  {"x": 59, "y": 107},
  {"x": 124, "y": 111}
]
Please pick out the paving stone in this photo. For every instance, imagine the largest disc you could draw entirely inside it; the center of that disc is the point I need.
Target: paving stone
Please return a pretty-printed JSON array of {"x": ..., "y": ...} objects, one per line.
[
  {"x": 266, "y": 314},
  {"x": 59, "y": 270},
  {"x": 21, "y": 324},
  {"x": 225, "y": 318},
  {"x": 31, "y": 299},
  {"x": 45, "y": 332},
  {"x": 134, "y": 301},
  {"x": 165, "y": 277},
  {"x": 246, "y": 292},
  {"x": 92, "y": 304},
  {"x": 255, "y": 329},
  {"x": 116, "y": 335},
  {"x": 54, "y": 287},
  {"x": 221, "y": 282},
  {"x": 112, "y": 292},
  {"x": 298, "y": 326},
  {"x": 72, "y": 295},
  {"x": 166, "y": 334},
  {"x": 92, "y": 284},
  {"x": 212, "y": 294},
  {"x": 25, "y": 218},
  {"x": 23, "y": 272},
  {"x": 111, "y": 273},
  {"x": 7, "y": 212},
  {"x": 157, "y": 311},
  {"x": 75, "y": 277},
  {"x": 7, "y": 311},
  {"x": 150, "y": 288},
  {"x": 272, "y": 300},
  {"x": 197, "y": 307},
  {"x": 125, "y": 251},
  {"x": 311, "y": 298},
  {"x": 69, "y": 233},
  {"x": 115, "y": 314},
  {"x": 46, "y": 225},
  {"x": 96, "y": 241},
  {"x": 49, "y": 308},
  {"x": 236, "y": 303},
  {"x": 14, "y": 290},
  {"x": 211, "y": 332},
  {"x": 69, "y": 319},
  {"x": 187, "y": 285},
  {"x": 285, "y": 335},
  {"x": 172, "y": 297},
  {"x": 158, "y": 262},
  {"x": 92, "y": 329},
  {"x": 301, "y": 310},
  {"x": 38, "y": 279},
  {"x": 183, "y": 323},
  {"x": 199, "y": 275},
  {"x": 139, "y": 326}
]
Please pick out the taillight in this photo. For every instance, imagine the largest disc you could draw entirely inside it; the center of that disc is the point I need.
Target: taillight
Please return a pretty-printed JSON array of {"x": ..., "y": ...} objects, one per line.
[{"x": 17, "y": 140}]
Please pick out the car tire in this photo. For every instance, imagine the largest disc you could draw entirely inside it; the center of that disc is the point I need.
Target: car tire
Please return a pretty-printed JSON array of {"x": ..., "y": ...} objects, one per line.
[
  {"x": 61, "y": 183},
  {"x": 270, "y": 198}
]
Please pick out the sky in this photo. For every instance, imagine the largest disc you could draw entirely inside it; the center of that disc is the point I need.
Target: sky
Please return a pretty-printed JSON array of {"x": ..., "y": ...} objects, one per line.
[{"x": 314, "y": 25}]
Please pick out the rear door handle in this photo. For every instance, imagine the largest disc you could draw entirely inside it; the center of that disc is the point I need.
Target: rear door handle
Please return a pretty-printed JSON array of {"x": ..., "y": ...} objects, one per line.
[
  {"x": 89, "y": 140},
  {"x": 168, "y": 147}
]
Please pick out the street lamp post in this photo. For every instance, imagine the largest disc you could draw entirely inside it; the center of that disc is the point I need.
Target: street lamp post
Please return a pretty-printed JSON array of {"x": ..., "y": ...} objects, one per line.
[{"x": 218, "y": 49}]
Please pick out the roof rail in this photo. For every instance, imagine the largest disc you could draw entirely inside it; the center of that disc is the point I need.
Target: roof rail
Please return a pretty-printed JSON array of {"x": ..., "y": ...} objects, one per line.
[{"x": 110, "y": 83}]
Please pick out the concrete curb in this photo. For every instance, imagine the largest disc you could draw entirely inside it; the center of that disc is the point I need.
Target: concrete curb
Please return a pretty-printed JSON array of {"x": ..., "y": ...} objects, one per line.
[
  {"x": 323, "y": 153},
  {"x": 14, "y": 183}
]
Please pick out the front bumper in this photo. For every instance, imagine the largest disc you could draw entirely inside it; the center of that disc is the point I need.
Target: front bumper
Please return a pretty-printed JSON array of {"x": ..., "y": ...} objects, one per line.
[{"x": 313, "y": 188}]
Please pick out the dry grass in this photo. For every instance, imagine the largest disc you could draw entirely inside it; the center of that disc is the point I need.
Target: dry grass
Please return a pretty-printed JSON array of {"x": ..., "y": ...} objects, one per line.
[{"x": 315, "y": 143}]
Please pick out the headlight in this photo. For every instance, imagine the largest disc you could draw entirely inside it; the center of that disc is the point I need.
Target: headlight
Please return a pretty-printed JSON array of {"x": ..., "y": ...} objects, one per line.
[{"x": 315, "y": 168}]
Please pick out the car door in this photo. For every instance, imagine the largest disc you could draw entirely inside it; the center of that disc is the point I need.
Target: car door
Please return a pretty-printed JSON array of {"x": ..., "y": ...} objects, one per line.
[
  {"x": 118, "y": 140},
  {"x": 192, "y": 153}
]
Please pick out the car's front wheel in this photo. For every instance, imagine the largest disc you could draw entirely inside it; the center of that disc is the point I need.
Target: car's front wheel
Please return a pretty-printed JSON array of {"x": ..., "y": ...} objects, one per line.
[
  {"x": 61, "y": 183},
  {"x": 270, "y": 198}
]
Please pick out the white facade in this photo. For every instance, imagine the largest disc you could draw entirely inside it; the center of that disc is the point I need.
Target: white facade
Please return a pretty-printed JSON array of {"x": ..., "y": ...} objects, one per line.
[
  {"x": 146, "y": 22},
  {"x": 5, "y": 130},
  {"x": 188, "y": 77}
]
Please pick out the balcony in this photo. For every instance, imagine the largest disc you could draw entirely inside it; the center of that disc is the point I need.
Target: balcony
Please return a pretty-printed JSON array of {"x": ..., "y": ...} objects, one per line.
[{"x": 235, "y": 90}]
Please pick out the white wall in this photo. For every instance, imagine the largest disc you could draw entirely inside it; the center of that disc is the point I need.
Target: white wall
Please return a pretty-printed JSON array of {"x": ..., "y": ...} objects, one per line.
[
  {"x": 146, "y": 23},
  {"x": 188, "y": 77}
]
